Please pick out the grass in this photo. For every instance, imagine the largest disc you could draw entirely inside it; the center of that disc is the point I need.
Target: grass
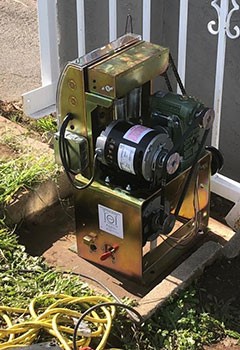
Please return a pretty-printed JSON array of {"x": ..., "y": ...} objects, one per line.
[
  {"x": 23, "y": 172},
  {"x": 17, "y": 287},
  {"x": 43, "y": 126},
  {"x": 46, "y": 125},
  {"x": 29, "y": 166},
  {"x": 181, "y": 324}
]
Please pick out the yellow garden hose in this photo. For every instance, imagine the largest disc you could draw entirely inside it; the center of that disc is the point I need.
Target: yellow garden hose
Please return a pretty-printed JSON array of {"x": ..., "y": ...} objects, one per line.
[{"x": 20, "y": 327}]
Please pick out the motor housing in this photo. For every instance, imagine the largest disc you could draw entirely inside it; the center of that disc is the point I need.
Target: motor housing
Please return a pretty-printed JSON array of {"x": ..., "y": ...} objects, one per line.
[{"x": 137, "y": 149}]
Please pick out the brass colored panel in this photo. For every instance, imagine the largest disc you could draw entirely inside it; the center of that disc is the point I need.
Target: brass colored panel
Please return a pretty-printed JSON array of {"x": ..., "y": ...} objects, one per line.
[
  {"x": 128, "y": 258},
  {"x": 119, "y": 74},
  {"x": 170, "y": 247},
  {"x": 201, "y": 180},
  {"x": 71, "y": 98}
]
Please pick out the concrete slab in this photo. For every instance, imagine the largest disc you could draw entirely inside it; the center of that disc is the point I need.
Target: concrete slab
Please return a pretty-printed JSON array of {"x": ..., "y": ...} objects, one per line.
[{"x": 220, "y": 232}]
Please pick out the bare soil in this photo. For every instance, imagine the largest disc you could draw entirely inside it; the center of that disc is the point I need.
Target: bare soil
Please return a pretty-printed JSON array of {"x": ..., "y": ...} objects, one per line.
[{"x": 6, "y": 152}]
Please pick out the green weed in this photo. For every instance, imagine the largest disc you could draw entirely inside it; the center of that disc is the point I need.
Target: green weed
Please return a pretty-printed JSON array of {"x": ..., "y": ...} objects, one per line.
[
  {"x": 24, "y": 172},
  {"x": 179, "y": 325},
  {"x": 18, "y": 286},
  {"x": 46, "y": 124}
]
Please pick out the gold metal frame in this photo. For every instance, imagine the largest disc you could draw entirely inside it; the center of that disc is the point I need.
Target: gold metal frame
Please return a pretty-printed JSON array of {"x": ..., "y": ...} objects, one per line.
[{"x": 131, "y": 259}]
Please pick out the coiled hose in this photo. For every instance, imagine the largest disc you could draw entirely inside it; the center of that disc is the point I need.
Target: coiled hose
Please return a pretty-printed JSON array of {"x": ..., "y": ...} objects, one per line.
[{"x": 60, "y": 320}]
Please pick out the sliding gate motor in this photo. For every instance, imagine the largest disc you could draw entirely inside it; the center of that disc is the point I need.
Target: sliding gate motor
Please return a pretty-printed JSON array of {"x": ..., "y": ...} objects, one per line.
[{"x": 136, "y": 159}]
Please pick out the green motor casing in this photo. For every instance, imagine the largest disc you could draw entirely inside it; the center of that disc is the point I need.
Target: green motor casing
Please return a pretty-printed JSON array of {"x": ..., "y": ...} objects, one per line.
[{"x": 176, "y": 113}]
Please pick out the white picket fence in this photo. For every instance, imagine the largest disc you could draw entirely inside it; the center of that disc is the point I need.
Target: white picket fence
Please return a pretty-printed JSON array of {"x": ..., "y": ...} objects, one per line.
[{"x": 41, "y": 101}]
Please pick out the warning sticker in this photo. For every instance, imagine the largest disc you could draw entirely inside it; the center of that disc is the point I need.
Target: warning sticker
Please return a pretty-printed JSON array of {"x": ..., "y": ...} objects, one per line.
[
  {"x": 136, "y": 133},
  {"x": 110, "y": 221},
  {"x": 125, "y": 158}
]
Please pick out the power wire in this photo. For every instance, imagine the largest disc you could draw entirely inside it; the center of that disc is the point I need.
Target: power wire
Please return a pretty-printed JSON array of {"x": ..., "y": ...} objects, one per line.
[
  {"x": 93, "y": 308},
  {"x": 64, "y": 155}
]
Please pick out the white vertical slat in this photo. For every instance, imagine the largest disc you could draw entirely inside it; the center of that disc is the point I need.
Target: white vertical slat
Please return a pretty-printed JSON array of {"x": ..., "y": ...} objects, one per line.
[
  {"x": 220, "y": 184},
  {"x": 80, "y": 27},
  {"x": 146, "y": 20},
  {"x": 48, "y": 41},
  {"x": 41, "y": 101},
  {"x": 220, "y": 65},
  {"x": 223, "y": 29},
  {"x": 112, "y": 5},
  {"x": 146, "y": 35},
  {"x": 182, "y": 40}
]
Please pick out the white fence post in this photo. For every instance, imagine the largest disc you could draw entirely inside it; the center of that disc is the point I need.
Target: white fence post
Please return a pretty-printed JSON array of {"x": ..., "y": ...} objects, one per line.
[
  {"x": 146, "y": 20},
  {"x": 182, "y": 41},
  {"x": 112, "y": 5},
  {"x": 222, "y": 185},
  {"x": 223, "y": 30},
  {"x": 81, "y": 27},
  {"x": 42, "y": 100}
]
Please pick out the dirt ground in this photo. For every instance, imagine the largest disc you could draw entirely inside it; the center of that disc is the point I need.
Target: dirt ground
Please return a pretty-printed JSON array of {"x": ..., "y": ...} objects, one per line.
[{"x": 19, "y": 59}]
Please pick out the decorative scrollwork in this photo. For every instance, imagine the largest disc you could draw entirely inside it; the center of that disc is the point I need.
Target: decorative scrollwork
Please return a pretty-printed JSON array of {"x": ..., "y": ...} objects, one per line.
[
  {"x": 228, "y": 20},
  {"x": 224, "y": 18},
  {"x": 213, "y": 23}
]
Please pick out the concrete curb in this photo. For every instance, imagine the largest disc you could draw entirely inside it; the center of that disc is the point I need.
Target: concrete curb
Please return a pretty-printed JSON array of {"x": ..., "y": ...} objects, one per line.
[
  {"x": 33, "y": 202},
  {"x": 232, "y": 248},
  {"x": 29, "y": 203}
]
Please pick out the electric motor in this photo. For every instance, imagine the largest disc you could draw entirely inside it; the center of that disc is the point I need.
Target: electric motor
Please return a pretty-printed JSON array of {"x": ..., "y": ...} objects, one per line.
[
  {"x": 137, "y": 149},
  {"x": 185, "y": 118}
]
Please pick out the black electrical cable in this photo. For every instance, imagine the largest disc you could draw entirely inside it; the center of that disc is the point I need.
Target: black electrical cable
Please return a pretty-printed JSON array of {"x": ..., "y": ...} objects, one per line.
[
  {"x": 177, "y": 76},
  {"x": 94, "y": 307},
  {"x": 63, "y": 150},
  {"x": 104, "y": 287},
  {"x": 129, "y": 23},
  {"x": 167, "y": 81},
  {"x": 189, "y": 177},
  {"x": 175, "y": 148}
]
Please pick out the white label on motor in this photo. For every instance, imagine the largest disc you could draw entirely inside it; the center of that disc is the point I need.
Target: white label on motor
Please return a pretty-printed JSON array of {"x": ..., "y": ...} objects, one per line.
[
  {"x": 110, "y": 221},
  {"x": 136, "y": 133},
  {"x": 125, "y": 158}
]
